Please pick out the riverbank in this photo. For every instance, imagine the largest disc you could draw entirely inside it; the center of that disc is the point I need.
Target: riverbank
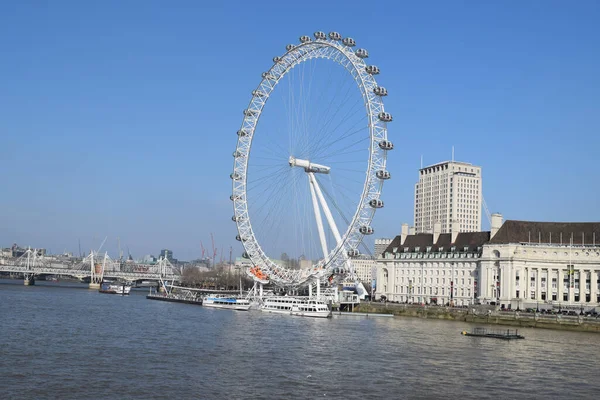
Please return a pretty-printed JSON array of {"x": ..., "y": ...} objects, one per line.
[{"x": 486, "y": 315}]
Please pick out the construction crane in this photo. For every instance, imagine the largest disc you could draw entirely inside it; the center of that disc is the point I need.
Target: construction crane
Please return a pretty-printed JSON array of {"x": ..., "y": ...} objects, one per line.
[
  {"x": 486, "y": 210},
  {"x": 203, "y": 250}
]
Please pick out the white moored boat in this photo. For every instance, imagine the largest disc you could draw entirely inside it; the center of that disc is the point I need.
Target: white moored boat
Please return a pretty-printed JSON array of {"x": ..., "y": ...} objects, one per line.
[
  {"x": 300, "y": 306},
  {"x": 227, "y": 302},
  {"x": 115, "y": 288}
]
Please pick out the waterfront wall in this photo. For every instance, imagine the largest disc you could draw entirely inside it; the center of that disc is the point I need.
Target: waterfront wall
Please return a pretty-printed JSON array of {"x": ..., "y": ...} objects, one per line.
[{"x": 486, "y": 315}]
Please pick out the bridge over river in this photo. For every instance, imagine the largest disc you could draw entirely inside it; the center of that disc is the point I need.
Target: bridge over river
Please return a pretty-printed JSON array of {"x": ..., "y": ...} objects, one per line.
[{"x": 94, "y": 267}]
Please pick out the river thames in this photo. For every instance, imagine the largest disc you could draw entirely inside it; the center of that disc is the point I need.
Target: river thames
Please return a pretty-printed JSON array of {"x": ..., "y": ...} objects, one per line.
[{"x": 73, "y": 343}]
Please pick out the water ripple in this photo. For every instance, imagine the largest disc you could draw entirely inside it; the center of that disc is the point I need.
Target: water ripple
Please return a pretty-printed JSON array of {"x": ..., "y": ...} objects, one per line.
[{"x": 74, "y": 344}]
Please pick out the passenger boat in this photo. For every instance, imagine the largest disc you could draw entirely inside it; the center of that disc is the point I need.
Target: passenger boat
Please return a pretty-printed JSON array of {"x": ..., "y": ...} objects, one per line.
[
  {"x": 227, "y": 302},
  {"x": 503, "y": 334},
  {"x": 115, "y": 288},
  {"x": 300, "y": 306}
]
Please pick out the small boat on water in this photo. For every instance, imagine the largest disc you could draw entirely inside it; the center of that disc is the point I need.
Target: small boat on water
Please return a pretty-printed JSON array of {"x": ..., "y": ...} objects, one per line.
[
  {"x": 115, "y": 288},
  {"x": 226, "y": 302},
  {"x": 501, "y": 334},
  {"x": 299, "y": 306}
]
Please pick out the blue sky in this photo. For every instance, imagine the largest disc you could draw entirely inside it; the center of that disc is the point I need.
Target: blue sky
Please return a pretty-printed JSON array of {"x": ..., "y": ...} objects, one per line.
[{"x": 118, "y": 118}]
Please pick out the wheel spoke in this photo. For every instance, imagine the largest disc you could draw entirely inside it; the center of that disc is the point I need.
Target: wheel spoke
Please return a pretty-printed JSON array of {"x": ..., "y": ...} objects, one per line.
[{"x": 314, "y": 129}]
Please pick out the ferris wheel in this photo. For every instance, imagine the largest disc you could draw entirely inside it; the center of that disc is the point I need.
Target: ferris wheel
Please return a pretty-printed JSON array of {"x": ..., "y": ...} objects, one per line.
[{"x": 319, "y": 151}]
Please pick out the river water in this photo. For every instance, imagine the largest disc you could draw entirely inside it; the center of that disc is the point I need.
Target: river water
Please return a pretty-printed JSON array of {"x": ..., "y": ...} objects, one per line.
[{"x": 62, "y": 342}]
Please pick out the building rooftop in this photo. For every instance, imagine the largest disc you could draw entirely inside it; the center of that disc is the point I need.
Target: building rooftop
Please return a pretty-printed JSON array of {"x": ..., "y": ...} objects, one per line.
[
  {"x": 587, "y": 233},
  {"x": 471, "y": 241},
  {"x": 447, "y": 162}
]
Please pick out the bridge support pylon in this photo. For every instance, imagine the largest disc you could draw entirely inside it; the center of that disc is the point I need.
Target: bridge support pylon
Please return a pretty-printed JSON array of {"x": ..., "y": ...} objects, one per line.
[{"x": 97, "y": 271}]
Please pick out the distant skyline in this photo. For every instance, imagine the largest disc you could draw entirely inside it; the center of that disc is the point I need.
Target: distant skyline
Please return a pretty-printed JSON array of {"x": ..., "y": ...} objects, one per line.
[{"x": 119, "y": 119}]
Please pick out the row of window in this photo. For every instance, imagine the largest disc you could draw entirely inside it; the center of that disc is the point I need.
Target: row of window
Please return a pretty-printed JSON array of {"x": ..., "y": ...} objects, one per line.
[
  {"x": 432, "y": 291},
  {"x": 417, "y": 272},
  {"x": 554, "y": 297},
  {"x": 417, "y": 281}
]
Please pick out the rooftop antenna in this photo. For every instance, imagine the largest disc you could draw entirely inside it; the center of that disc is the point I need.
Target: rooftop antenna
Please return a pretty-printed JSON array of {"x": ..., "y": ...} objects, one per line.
[
  {"x": 79, "y": 241},
  {"x": 452, "y": 153}
]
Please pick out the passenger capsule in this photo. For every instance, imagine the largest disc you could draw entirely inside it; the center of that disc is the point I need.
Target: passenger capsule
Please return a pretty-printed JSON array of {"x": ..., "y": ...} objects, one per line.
[
  {"x": 258, "y": 93},
  {"x": 267, "y": 75},
  {"x": 320, "y": 35},
  {"x": 386, "y": 145},
  {"x": 349, "y": 42},
  {"x": 276, "y": 59},
  {"x": 234, "y": 197},
  {"x": 353, "y": 253},
  {"x": 376, "y": 203},
  {"x": 305, "y": 39},
  {"x": 242, "y": 132},
  {"x": 380, "y": 91},
  {"x": 335, "y": 36},
  {"x": 385, "y": 117},
  {"x": 290, "y": 47},
  {"x": 383, "y": 174},
  {"x": 250, "y": 113},
  {"x": 245, "y": 255},
  {"x": 362, "y": 53},
  {"x": 372, "y": 70},
  {"x": 240, "y": 239},
  {"x": 366, "y": 230},
  {"x": 235, "y": 176},
  {"x": 234, "y": 218}
]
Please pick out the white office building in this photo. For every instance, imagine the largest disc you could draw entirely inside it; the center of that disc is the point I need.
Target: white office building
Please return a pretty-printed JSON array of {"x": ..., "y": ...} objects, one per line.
[
  {"x": 517, "y": 265},
  {"x": 448, "y": 191},
  {"x": 363, "y": 268},
  {"x": 530, "y": 264},
  {"x": 380, "y": 245},
  {"x": 431, "y": 268}
]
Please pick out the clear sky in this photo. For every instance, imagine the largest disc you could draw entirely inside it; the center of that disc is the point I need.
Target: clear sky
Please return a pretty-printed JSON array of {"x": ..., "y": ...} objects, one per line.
[{"x": 118, "y": 118}]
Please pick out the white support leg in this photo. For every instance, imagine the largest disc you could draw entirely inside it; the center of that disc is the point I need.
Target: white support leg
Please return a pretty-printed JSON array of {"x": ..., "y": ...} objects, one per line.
[
  {"x": 330, "y": 221},
  {"x": 261, "y": 290},
  {"x": 313, "y": 184},
  {"x": 310, "y": 290},
  {"x": 318, "y": 288}
]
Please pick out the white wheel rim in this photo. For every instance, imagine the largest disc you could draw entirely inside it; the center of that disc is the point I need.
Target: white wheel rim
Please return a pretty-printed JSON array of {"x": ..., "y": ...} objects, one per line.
[{"x": 352, "y": 237}]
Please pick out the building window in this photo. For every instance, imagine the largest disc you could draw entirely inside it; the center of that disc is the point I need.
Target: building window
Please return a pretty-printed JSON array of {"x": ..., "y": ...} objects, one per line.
[{"x": 517, "y": 294}]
